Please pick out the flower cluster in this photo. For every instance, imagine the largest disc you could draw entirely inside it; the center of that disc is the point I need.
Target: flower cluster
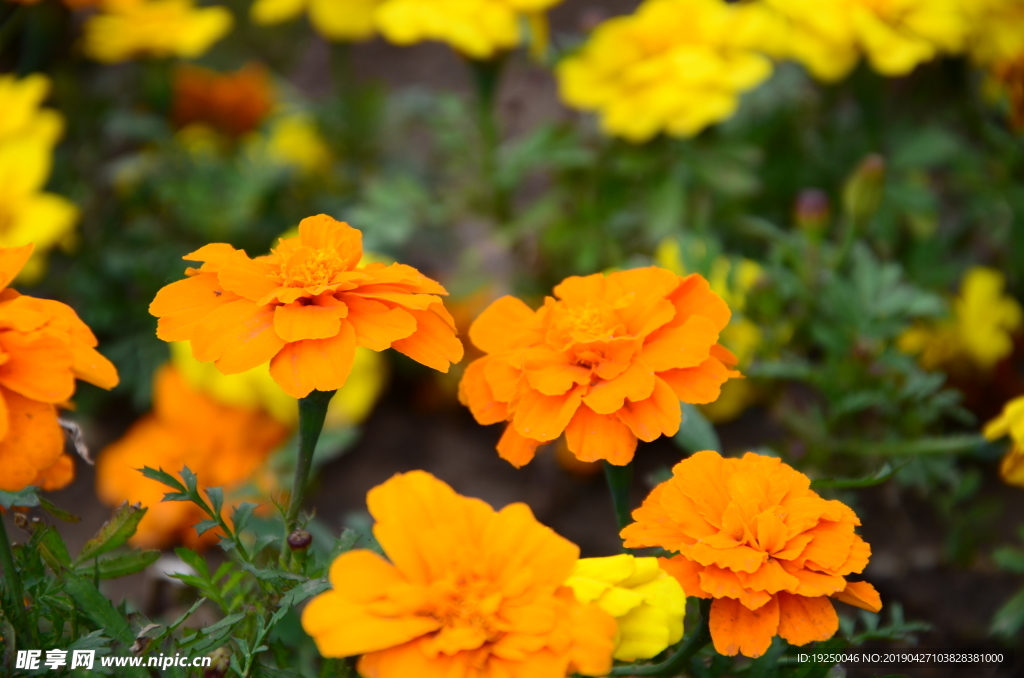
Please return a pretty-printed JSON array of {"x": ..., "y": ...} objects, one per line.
[
  {"x": 305, "y": 308},
  {"x": 232, "y": 103},
  {"x": 979, "y": 333},
  {"x": 224, "y": 445},
  {"x": 468, "y": 591},
  {"x": 1010, "y": 422},
  {"x": 606, "y": 361},
  {"x": 126, "y": 29},
  {"x": 675, "y": 66},
  {"x": 752, "y": 535},
  {"x": 44, "y": 347},
  {"x": 28, "y": 134},
  {"x": 647, "y": 603}
]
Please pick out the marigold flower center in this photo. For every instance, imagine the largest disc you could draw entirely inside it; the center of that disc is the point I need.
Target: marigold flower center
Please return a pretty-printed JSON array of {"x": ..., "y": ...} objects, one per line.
[
  {"x": 319, "y": 267},
  {"x": 469, "y": 606},
  {"x": 586, "y": 323}
]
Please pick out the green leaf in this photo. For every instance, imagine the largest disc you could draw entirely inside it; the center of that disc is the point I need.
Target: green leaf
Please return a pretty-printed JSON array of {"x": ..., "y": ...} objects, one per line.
[
  {"x": 119, "y": 564},
  {"x": 1009, "y": 559},
  {"x": 190, "y": 479},
  {"x": 204, "y": 526},
  {"x": 163, "y": 477},
  {"x": 1009, "y": 619},
  {"x": 216, "y": 495},
  {"x": 304, "y": 591},
  {"x": 57, "y": 512},
  {"x": 53, "y": 550},
  {"x": 877, "y": 478},
  {"x": 25, "y": 497},
  {"x": 959, "y": 444},
  {"x": 695, "y": 432},
  {"x": 96, "y": 607},
  {"x": 241, "y": 515},
  {"x": 116, "y": 531}
]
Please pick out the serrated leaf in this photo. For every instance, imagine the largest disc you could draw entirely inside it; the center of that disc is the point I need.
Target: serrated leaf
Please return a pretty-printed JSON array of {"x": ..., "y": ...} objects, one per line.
[
  {"x": 216, "y": 495},
  {"x": 28, "y": 496},
  {"x": 176, "y": 496},
  {"x": 240, "y": 516},
  {"x": 162, "y": 476},
  {"x": 115, "y": 532},
  {"x": 193, "y": 560},
  {"x": 204, "y": 526},
  {"x": 119, "y": 564},
  {"x": 57, "y": 512},
  {"x": 53, "y": 550},
  {"x": 304, "y": 591},
  {"x": 190, "y": 479},
  {"x": 96, "y": 607}
]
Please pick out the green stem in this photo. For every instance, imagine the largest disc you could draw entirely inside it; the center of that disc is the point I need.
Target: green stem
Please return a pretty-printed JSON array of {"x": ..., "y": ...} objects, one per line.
[
  {"x": 13, "y": 580},
  {"x": 619, "y": 479},
  {"x": 486, "y": 79},
  {"x": 312, "y": 412},
  {"x": 694, "y": 644}
]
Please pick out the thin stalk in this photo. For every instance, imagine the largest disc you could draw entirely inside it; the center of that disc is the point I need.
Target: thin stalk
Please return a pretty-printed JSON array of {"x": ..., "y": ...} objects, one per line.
[
  {"x": 694, "y": 644},
  {"x": 619, "y": 480},
  {"x": 13, "y": 580},
  {"x": 486, "y": 79},
  {"x": 312, "y": 412}
]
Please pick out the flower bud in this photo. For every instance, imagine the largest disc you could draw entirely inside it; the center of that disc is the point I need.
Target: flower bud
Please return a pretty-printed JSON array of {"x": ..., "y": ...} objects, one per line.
[
  {"x": 299, "y": 540},
  {"x": 221, "y": 662},
  {"x": 862, "y": 193},
  {"x": 812, "y": 210}
]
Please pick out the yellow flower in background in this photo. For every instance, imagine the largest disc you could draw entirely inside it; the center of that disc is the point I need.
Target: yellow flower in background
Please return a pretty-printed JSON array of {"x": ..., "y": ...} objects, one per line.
[
  {"x": 157, "y": 28},
  {"x": 294, "y": 141},
  {"x": 256, "y": 389},
  {"x": 476, "y": 28},
  {"x": 997, "y": 34},
  {"x": 829, "y": 36},
  {"x": 980, "y": 330},
  {"x": 1010, "y": 422},
  {"x": 334, "y": 19},
  {"x": 648, "y": 604},
  {"x": 28, "y": 135},
  {"x": 732, "y": 280},
  {"x": 674, "y": 66}
]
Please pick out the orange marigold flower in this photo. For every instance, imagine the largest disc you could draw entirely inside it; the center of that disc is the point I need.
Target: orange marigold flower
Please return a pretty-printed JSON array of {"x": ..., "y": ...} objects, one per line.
[
  {"x": 469, "y": 591},
  {"x": 305, "y": 307},
  {"x": 233, "y": 103},
  {"x": 224, "y": 445},
  {"x": 752, "y": 535},
  {"x": 607, "y": 362},
  {"x": 44, "y": 347}
]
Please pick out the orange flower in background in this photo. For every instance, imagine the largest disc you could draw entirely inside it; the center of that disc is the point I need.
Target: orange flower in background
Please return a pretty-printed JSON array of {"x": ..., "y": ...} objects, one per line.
[
  {"x": 607, "y": 363},
  {"x": 305, "y": 307},
  {"x": 752, "y": 535},
  {"x": 233, "y": 103},
  {"x": 224, "y": 445},
  {"x": 44, "y": 347},
  {"x": 469, "y": 591}
]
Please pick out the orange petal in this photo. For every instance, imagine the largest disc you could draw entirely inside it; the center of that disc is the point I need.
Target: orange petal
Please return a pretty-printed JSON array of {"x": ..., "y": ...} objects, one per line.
[
  {"x": 501, "y": 324},
  {"x": 315, "y": 364},
  {"x": 581, "y": 289},
  {"x": 591, "y": 436},
  {"x": 803, "y": 620},
  {"x": 238, "y": 336},
  {"x": 737, "y": 630},
  {"x": 703, "y": 477},
  {"x": 636, "y": 383},
  {"x": 701, "y": 384},
  {"x": 12, "y": 260},
  {"x": 516, "y": 449},
  {"x": 34, "y": 440},
  {"x": 38, "y": 366},
  {"x": 342, "y": 629},
  {"x": 695, "y": 297},
  {"x": 687, "y": 573},
  {"x": 248, "y": 278},
  {"x": 860, "y": 553},
  {"x": 770, "y": 578},
  {"x": 324, "y": 232},
  {"x": 860, "y": 594},
  {"x": 553, "y": 372},
  {"x": 722, "y": 583},
  {"x": 831, "y": 545},
  {"x": 377, "y": 326},
  {"x": 503, "y": 378},
  {"x": 686, "y": 345},
  {"x": 185, "y": 303},
  {"x": 295, "y": 322},
  {"x": 434, "y": 343},
  {"x": 475, "y": 393},
  {"x": 657, "y": 415},
  {"x": 92, "y": 367},
  {"x": 649, "y": 308},
  {"x": 811, "y": 583},
  {"x": 57, "y": 476},
  {"x": 542, "y": 417}
]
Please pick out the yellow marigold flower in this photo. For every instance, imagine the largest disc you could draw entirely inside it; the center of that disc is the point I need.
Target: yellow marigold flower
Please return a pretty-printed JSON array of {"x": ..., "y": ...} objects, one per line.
[
  {"x": 468, "y": 591},
  {"x": 647, "y": 603},
  {"x": 675, "y": 66},
  {"x": 224, "y": 445},
  {"x": 28, "y": 134},
  {"x": 997, "y": 33},
  {"x": 294, "y": 141},
  {"x": 334, "y": 19},
  {"x": 828, "y": 36},
  {"x": 477, "y": 28},
  {"x": 157, "y": 28},
  {"x": 1010, "y": 422},
  {"x": 257, "y": 389},
  {"x": 980, "y": 329}
]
